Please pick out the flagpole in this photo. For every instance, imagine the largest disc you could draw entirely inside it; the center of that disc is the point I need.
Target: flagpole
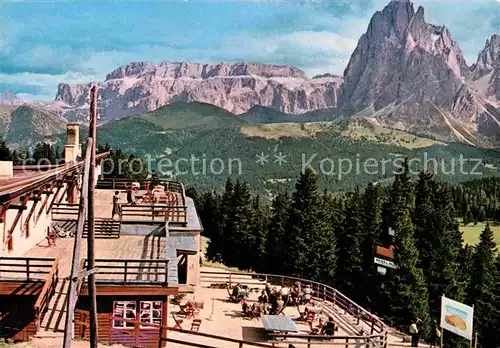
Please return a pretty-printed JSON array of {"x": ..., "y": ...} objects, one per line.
[{"x": 475, "y": 341}]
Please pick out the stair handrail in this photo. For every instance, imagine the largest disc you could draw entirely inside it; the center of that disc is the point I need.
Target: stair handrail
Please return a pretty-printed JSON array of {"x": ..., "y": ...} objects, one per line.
[{"x": 46, "y": 292}]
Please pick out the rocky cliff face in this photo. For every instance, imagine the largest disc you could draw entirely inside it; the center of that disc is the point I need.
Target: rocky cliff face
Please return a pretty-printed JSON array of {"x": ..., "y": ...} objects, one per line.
[
  {"x": 140, "y": 87},
  {"x": 485, "y": 73},
  {"x": 411, "y": 75}
]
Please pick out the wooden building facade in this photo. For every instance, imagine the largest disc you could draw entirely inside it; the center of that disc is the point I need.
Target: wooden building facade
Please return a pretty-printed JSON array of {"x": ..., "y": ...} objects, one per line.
[{"x": 138, "y": 291}]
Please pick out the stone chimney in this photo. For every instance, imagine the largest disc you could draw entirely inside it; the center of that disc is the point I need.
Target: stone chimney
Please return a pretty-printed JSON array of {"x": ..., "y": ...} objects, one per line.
[
  {"x": 6, "y": 170},
  {"x": 73, "y": 148}
]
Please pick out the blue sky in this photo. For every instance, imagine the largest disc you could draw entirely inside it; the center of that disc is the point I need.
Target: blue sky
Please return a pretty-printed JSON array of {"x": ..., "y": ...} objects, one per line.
[{"x": 43, "y": 43}]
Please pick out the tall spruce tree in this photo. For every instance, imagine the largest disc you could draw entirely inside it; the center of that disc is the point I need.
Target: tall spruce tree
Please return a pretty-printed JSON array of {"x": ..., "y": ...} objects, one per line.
[
  {"x": 237, "y": 232},
  {"x": 482, "y": 291},
  {"x": 216, "y": 245},
  {"x": 258, "y": 234},
  {"x": 409, "y": 297},
  {"x": 304, "y": 212},
  {"x": 277, "y": 235},
  {"x": 350, "y": 271},
  {"x": 439, "y": 241},
  {"x": 373, "y": 202}
]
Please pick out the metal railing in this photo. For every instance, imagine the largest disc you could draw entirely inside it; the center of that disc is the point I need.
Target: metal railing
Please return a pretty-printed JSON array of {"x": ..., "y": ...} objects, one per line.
[{"x": 329, "y": 296}]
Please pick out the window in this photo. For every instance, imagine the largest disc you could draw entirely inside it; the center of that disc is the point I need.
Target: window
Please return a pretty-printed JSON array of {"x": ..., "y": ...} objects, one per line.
[
  {"x": 151, "y": 312},
  {"x": 125, "y": 310}
]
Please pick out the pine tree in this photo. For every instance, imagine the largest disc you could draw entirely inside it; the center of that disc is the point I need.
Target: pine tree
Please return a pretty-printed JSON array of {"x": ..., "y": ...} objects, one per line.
[
  {"x": 277, "y": 235},
  {"x": 350, "y": 271},
  {"x": 237, "y": 231},
  {"x": 409, "y": 298},
  {"x": 258, "y": 234},
  {"x": 373, "y": 202},
  {"x": 482, "y": 290},
  {"x": 5, "y": 154},
  {"x": 408, "y": 289},
  {"x": 438, "y": 239},
  {"x": 217, "y": 246},
  {"x": 303, "y": 216}
]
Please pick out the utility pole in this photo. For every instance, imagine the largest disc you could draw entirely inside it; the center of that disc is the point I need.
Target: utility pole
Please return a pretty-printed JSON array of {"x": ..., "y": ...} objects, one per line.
[
  {"x": 91, "y": 221},
  {"x": 76, "y": 279}
]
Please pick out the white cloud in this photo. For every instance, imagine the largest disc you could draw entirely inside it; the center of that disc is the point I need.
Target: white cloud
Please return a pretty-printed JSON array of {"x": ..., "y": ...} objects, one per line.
[
  {"x": 47, "y": 84},
  {"x": 320, "y": 41}
]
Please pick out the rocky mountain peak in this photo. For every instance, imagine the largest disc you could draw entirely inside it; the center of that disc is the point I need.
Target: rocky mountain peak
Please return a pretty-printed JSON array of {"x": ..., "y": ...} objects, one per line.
[
  {"x": 166, "y": 70},
  {"x": 488, "y": 59},
  {"x": 144, "y": 86}
]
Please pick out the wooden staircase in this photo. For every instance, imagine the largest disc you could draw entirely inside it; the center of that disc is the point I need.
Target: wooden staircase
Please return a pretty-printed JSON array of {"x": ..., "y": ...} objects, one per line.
[
  {"x": 104, "y": 228},
  {"x": 55, "y": 317}
]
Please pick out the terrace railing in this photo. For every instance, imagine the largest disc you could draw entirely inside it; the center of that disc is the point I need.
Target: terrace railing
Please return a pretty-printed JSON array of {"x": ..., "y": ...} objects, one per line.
[
  {"x": 330, "y": 297},
  {"x": 153, "y": 213},
  {"x": 131, "y": 271},
  {"x": 26, "y": 268}
]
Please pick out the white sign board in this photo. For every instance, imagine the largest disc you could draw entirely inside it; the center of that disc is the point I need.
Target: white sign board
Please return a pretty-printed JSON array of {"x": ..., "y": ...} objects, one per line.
[
  {"x": 456, "y": 317},
  {"x": 385, "y": 263}
]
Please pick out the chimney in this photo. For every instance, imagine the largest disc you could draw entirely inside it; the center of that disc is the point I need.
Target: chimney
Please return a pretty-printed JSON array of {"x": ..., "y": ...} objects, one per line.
[
  {"x": 6, "y": 170},
  {"x": 73, "y": 148}
]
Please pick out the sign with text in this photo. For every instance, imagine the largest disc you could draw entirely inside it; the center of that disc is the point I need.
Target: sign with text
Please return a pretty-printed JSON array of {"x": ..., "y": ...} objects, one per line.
[
  {"x": 457, "y": 317},
  {"x": 385, "y": 263}
]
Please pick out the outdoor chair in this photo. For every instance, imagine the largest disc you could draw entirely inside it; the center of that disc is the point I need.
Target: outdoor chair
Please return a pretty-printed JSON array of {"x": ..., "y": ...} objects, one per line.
[
  {"x": 178, "y": 323},
  {"x": 195, "y": 326}
]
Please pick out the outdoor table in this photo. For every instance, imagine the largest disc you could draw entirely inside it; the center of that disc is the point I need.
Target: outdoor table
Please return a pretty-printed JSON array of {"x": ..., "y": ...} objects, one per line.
[{"x": 279, "y": 323}]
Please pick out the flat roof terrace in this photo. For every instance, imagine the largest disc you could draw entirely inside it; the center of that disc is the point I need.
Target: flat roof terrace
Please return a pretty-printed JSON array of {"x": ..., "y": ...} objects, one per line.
[{"x": 128, "y": 259}]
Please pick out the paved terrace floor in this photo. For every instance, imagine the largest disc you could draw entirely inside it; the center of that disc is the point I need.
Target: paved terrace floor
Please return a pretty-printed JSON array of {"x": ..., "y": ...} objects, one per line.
[{"x": 227, "y": 320}]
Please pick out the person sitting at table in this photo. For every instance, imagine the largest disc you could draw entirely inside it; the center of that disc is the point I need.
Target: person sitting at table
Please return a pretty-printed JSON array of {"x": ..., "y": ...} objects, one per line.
[
  {"x": 329, "y": 328},
  {"x": 307, "y": 295},
  {"x": 263, "y": 298},
  {"x": 244, "y": 307},
  {"x": 273, "y": 298},
  {"x": 279, "y": 306},
  {"x": 256, "y": 312},
  {"x": 284, "y": 293},
  {"x": 295, "y": 294}
]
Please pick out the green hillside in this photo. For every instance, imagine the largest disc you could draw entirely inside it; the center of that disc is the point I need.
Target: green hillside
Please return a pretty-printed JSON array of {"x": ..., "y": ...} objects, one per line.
[{"x": 193, "y": 115}]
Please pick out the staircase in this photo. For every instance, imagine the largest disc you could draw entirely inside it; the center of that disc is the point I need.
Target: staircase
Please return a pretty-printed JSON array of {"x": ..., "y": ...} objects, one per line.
[
  {"x": 55, "y": 317},
  {"x": 104, "y": 228}
]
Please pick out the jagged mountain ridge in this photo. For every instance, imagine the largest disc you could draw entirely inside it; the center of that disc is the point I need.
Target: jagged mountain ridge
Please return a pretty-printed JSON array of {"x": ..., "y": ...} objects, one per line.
[
  {"x": 141, "y": 87},
  {"x": 411, "y": 75},
  {"x": 405, "y": 73}
]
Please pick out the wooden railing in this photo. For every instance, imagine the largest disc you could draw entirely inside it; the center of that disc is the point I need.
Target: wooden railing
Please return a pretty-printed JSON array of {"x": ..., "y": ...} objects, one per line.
[
  {"x": 329, "y": 296},
  {"x": 153, "y": 213},
  {"x": 64, "y": 211},
  {"x": 48, "y": 290},
  {"x": 26, "y": 268},
  {"x": 131, "y": 271}
]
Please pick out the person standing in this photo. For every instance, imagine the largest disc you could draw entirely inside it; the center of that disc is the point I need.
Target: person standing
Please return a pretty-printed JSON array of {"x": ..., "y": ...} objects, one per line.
[
  {"x": 414, "y": 332},
  {"x": 116, "y": 205},
  {"x": 436, "y": 336}
]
